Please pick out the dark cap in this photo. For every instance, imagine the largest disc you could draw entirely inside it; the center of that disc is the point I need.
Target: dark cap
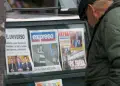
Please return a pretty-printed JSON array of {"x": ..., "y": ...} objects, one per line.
[{"x": 83, "y": 6}]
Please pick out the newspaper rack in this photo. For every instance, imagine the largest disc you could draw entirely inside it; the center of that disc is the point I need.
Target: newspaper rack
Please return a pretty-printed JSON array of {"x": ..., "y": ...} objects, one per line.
[{"x": 69, "y": 77}]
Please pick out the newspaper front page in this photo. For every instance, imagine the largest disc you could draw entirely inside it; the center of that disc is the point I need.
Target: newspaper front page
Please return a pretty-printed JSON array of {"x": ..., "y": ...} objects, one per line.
[
  {"x": 72, "y": 47},
  {"x": 18, "y": 58},
  {"x": 57, "y": 82},
  {"x": 45, "y": 50}
]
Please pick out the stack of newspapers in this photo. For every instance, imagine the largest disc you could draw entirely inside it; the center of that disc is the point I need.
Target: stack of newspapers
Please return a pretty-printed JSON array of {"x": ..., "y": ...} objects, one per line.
[{"x": 37, "y": 51}]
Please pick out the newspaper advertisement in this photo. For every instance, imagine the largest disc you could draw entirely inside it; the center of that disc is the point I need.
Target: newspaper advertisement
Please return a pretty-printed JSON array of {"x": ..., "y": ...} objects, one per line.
[
  {"x": 18, "y": 59},
  {"x": 72, "y": 47},
  {"x": 57, "y": 82},
  {"x": 45, "y": 50}
]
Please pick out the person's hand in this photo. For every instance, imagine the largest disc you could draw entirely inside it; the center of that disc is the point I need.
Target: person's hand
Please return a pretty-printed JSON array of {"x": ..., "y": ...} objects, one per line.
[
  {"x": 20, "y": 70},
  {"x": 28, "y": 68},
  {"x": 12, "y": 70}
]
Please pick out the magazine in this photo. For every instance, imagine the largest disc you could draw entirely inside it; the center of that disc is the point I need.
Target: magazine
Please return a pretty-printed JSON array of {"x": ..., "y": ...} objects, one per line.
[
  {"x": 45, "y": 50},
  {"x": 57, "y": 82},
  {"x": 72, "y": 47},
  {"x": 18, "y": 59}
]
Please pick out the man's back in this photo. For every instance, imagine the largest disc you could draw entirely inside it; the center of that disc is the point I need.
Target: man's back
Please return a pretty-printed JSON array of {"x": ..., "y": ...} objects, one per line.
[{"x": 105, "y": 50}]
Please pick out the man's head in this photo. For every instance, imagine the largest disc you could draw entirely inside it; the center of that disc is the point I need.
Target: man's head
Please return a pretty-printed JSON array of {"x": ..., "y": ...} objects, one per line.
[
  {"x": 11, "y": 61},
  {"x": 26, "y": 59},
  {"x": 18, "y": 59},
  {"x": 95, "y": 9}
]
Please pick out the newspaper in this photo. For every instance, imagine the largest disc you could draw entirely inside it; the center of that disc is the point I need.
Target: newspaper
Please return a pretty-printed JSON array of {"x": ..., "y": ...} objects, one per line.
[
  {"x": 57, "y": 82},
  {"x": 18, "y": 59},
  {"x": 45, "y": 50},
  {"x": 72, "y": 47}
]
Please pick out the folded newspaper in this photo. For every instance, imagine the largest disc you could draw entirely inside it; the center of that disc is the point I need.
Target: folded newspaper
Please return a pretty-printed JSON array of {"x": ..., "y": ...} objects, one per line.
[{"x": 45, "y": 50}]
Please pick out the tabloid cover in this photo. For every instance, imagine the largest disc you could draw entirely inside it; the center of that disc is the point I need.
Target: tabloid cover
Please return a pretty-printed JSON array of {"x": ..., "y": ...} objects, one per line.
[{"x": 72, "y": 47}]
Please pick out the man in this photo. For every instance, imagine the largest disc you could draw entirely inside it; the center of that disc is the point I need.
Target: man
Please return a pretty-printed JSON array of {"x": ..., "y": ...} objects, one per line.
[
  {"x": 104, "y": 51},
  {"x": 54, "y": 54},
  {"x": 19, "y": 64},
  {"x": 27, "y": 65},
  {"x": 12, "y": 66},
  {"x": 66, "y": 65},
  {"x": 42, "y": 58},
  {"x": 77, "y": 40}
]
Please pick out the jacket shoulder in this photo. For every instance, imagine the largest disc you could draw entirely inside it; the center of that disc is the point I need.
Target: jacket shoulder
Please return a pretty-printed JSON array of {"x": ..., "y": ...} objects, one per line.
[{"x": 113, "y": 16}]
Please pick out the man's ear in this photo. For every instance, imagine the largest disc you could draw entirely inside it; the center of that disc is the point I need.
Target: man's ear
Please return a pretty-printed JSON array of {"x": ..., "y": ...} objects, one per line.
[{"x": 92, "y": 11}]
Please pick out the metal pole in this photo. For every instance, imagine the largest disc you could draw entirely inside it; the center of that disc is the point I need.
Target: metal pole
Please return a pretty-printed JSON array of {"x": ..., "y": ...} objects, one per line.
[
  {"x": 56, "y": 4},
  {"x": 2, "y": 41}
]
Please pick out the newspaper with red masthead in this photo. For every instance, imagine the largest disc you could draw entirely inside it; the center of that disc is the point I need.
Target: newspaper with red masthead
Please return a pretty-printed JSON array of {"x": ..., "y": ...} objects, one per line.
[
  {"x": 72, "y": 47},
  {"x": 57, "y": 82},
  {"x": 45, "y": 50}
]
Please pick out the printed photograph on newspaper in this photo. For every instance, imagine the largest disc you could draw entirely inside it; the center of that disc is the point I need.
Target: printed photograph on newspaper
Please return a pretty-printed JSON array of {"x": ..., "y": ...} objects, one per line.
[
  {"x": 45, "y": 50},
  {"x": 18, "y": 58},
  {"x": 57, "y": 82},
  {"x": 72, "y": 47},
  {"x": 19, "y": 62}
]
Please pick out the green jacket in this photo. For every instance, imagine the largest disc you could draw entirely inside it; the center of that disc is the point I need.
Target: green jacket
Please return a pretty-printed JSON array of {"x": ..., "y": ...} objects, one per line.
[{"x": 104, "y": 56}]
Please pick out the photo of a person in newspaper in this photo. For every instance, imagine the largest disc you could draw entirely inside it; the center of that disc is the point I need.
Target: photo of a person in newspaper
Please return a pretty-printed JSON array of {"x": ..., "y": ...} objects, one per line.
[
  {"x": 76, "y": 39},
  {"x": 66, "y": 65},
  {"x": 54, "y": 53},
  {"x": 66, "y": 52},
  {"x": 11, "y": 65},
  {"x": 41, "y": 58},
  {"x": 27, "y": 65},
  {"x": 19, "y": 64},
  {"x": 45, "y": 54}
]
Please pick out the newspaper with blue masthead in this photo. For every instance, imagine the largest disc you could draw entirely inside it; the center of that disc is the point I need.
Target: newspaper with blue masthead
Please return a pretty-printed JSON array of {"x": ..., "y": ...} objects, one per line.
[{"x": 45, "y": 50}]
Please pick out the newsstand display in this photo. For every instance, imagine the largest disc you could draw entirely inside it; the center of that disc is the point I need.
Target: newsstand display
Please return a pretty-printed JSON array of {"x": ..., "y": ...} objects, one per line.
[{"x": 46, "y": 53}]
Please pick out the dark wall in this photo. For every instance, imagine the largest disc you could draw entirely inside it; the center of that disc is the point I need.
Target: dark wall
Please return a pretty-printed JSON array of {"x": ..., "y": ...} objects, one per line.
[
  {"x": 49, "y": 3},
  {"x": 41, "y": 3}
]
